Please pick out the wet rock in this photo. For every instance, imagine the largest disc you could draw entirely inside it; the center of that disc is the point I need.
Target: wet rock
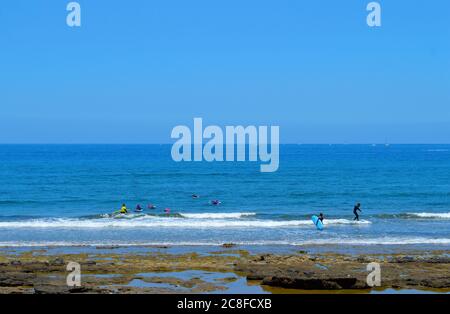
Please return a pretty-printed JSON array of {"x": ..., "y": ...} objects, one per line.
[
  {"x": 112, "y": 247},
  {"x": 57, "y": 262},
  {"x": 50, "y": 289},
  {"x": 46, "y": 274},
  {"x": 255, "y": 277},
  {"x": 363, "y": 259},
  {"x": 442, "y": 283},
  {"x": 263, "y": 258},
  {"x": 79, "y": 290},
  {"x": 402, "y": 259},
  {"x": 228, "y": 245},
  {"x": 16, "y": 279},
  {"x": 314, "y": 283},
  {"x": 438, "y": 260}
]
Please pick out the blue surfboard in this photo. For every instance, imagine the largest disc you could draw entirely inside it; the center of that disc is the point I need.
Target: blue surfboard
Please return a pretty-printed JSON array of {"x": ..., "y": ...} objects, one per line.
[{"x": 317, "y": 222}]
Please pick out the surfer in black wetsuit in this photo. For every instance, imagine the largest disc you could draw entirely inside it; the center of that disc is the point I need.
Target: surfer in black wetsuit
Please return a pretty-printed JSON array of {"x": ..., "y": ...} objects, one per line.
[
  {"x": 320, "y": 217},
  {"x": 355, "y": 211}
]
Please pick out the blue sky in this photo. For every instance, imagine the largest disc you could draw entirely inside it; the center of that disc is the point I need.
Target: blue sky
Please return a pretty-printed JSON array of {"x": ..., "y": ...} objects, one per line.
[{"x": 135, "y": 69}]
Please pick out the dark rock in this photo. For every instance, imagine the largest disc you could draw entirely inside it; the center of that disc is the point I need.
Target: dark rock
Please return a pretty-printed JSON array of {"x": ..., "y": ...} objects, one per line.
[
  {"x": 56, "y": 262},
  {"x": 264, "y": 257},
  {"x": 314, "y": 283},
  {"x": 442, "y": 283},
  {"x": 79, "y": 290},
  {"x": 50, "y": 289},
  {"x": 403, "y": 259},
  {"x": 112, "y": 247},
  {"x": 255, "y": 277},
  {"x": 16, "y": 279},
  {"x": 228, "y": 245},
  {"x": 438, "y": 260},
  {"x": 363, "y": 259}
]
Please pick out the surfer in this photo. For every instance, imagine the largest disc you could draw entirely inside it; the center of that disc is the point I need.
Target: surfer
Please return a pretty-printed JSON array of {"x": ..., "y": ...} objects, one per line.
[
  {"x": 138, "y": 208},
  {"x": 151, "y": 206},
  {"x": 320, "y": 217},
  {"x": 215, "y": 202},
  {"x": 195, "y": 196},
  {"x": 355, "y": 211},
  {"x": 123, "y": 209},
  {"x": 167, "y": 211},
  {"x": 318, "y": 221}
]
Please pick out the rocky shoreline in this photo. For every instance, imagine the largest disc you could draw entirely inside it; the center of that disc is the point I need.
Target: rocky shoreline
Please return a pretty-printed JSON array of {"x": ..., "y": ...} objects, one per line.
[{"x": 39, "y": 271}]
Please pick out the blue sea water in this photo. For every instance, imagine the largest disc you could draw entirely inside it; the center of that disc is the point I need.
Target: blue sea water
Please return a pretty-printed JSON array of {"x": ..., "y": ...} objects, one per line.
[{"x": 65, "y": 195}]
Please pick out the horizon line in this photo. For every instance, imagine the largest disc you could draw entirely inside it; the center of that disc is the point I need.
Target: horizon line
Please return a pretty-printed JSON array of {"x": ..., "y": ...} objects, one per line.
[{"x": 299, "y": 144}]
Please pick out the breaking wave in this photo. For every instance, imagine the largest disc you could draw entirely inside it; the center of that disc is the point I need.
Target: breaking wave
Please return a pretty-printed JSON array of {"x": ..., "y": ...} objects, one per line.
[
  {"x": 423, "y": 215},
  {"x": 203, "y": 221},
  {"x": 431, "y": 215},
  {"x": 217, "y": 215}
]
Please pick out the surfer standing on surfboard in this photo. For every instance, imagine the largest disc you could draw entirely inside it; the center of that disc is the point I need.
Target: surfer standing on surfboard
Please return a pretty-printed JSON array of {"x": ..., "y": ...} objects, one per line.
[{"x": 355, "y": 211}]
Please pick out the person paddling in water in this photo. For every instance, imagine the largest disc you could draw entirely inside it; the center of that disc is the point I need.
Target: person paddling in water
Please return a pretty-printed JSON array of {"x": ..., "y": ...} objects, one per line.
[
  {"x": 124, "y": 209},
  {"x": 355, "y": 211}
]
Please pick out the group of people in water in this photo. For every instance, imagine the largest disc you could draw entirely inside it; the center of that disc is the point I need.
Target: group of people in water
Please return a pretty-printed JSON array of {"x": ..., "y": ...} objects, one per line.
[
  {"x": 138, "y": 209},
  {"x": 124, "y": 209},
  {"x": 355, "y": 212}
]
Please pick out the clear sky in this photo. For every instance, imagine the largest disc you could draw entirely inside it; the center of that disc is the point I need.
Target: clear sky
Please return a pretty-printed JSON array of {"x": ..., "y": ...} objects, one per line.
[{"x": 135, "y": 69}]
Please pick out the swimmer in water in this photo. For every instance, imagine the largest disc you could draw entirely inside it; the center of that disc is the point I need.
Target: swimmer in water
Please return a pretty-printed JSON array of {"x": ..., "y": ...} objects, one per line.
[
  {"x": 167, "y": 211},
  {"x": 138, "y": 208},
  {"x": 215, "y": 202},
  {"x": 195, "y": 196},
  {"x": 151, "y": 206},
  {"x": 123, "y": 209}
]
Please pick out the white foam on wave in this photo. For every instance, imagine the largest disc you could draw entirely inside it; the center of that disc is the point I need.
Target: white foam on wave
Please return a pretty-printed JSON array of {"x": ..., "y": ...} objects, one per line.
[
  {"x": 331, "y": 241},
  {"x": 167, "y": 222},
  {"x": 217, "y": 215},
  {"x": 431, "y": 215},
  {"x": 381, "y": 241}
]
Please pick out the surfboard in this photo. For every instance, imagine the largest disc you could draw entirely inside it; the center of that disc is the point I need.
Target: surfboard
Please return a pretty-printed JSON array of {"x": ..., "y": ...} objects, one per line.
[{"x": 317, "y": 222}]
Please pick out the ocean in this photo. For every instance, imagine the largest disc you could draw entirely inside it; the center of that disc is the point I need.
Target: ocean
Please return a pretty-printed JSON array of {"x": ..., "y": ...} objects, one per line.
[{"x": 64, "y": 195}]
